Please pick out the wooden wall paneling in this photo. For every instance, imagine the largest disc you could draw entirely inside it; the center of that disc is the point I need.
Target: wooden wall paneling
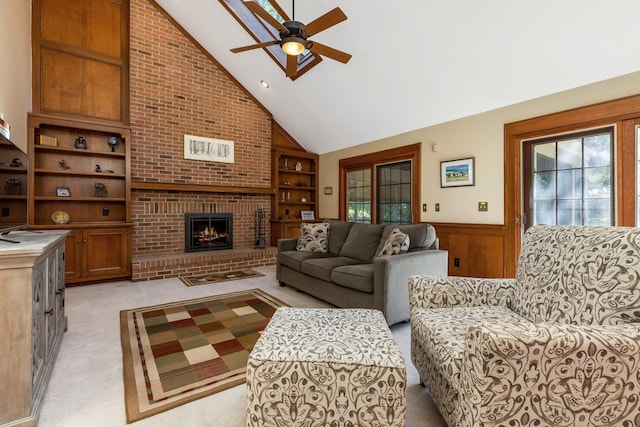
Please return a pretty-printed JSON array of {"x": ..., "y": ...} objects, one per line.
[
  {"x": 81, "y": 59},
  {"x": 479, "y": 247},
  {"x": 77, "y": 86},
  {"x": 281, "y": 139}
]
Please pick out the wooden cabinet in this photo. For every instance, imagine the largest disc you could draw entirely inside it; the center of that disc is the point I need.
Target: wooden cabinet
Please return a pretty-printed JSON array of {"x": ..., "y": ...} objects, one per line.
[
  {"x": 295, "y": 183},
  {"x": 97, "y": 254},
  {"x": 33, "y": 321},
  {"x": 81, "y": 171}
]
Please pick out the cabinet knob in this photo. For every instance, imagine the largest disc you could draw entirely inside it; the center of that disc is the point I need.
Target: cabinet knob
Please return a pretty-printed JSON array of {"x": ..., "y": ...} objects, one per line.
[
  {"x": 84, "y": 241},
  {"x": 49, "y": 312},
  {"x": 79, "y": 241}
]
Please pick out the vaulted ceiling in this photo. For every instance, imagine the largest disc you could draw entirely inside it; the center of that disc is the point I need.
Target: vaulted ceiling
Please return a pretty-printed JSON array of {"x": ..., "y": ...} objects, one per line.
[{"x": 417, "y": 63}]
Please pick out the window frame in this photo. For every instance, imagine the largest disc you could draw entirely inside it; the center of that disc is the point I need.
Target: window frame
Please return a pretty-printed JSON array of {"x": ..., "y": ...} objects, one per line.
[
  {"x": 528, "y": 170},
  {"x": 406, "y": 153}
]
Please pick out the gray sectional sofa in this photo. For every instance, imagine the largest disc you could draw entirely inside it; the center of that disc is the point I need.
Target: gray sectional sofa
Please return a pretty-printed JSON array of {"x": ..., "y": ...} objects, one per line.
[{"x": 350, "y": 275}]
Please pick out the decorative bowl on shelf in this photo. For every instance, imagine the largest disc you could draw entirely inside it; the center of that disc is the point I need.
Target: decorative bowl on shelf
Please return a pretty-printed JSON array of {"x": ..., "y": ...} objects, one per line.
[{"x": 60, "y": 217}]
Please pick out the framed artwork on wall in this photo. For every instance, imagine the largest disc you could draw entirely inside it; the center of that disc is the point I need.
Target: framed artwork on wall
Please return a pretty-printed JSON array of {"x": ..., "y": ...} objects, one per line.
[
  {"x": 208, "y": 149},
  {"x": 457, "y": 173}
]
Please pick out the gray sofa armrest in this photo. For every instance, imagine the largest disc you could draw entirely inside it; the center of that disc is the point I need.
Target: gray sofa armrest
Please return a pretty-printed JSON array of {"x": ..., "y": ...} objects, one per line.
[
  {"x": 287, "y": 244},
  {"x": 438, "y": 292},
  {"x": 391, "y": 274}
]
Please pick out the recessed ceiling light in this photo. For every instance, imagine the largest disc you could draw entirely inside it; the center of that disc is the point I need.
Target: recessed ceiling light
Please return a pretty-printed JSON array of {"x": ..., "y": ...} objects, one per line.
[{"x": 264, "y": 84}]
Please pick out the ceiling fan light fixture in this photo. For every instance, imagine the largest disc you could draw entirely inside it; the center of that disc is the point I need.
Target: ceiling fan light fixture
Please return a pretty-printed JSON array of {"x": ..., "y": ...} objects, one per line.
[{"x": 293, "y": 45}]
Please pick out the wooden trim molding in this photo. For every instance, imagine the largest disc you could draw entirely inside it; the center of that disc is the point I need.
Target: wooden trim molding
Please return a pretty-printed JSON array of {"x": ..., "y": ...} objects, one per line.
[
  {"x": 201, "y": 188},
  {"x": 622, "y": 113}
]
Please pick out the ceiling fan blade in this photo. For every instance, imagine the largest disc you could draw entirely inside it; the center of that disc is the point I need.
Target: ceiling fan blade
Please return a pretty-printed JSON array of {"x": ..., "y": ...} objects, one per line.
[
  {"x": 254, "y": 46},
  {"x": 258, "y": 10},
  {"x": 329, "y": 52},
  {"x": 329, "y": 19},
  {"x": 292, "y": 65}
]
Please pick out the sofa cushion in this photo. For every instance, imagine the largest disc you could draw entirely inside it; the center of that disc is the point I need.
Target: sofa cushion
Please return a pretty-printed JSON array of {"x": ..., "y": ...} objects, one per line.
[
  {"x": 358, "y": 277},
  {"x": 442, "y": 332},
  {"x": 338, "y": 234},
  {"x": 362, "y": 241},
  {"x": 321, "y": 268},
  {"x": 397, "y": 243},
  {"x": 313, "y": 237},
  {"x": 294, "y": 259},
  {"x": 421, "y": 236}
]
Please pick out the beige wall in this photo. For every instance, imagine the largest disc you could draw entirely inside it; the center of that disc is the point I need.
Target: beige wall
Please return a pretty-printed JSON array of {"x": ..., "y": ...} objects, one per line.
[
  {"x": 480, "y": 136},
  {"x": 15, "y": 77}
]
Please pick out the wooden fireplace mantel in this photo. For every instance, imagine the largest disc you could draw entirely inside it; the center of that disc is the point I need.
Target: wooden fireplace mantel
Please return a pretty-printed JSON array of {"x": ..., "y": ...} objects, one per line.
[{"x": 170, "y": 186}]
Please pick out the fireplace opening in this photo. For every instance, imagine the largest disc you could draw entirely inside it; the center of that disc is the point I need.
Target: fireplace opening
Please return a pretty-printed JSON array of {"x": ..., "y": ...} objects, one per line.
[{"x": 208, "y": 232}]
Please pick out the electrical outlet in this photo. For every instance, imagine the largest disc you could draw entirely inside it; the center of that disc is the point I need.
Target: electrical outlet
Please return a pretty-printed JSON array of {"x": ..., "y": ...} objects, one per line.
[
  {"x": 437, "y": 207},
  {"x": 456, "y": 262},
  {"x": 483, "y": 206},
  {"x": 105, "y": 211},
  {"x": 424, "y": 207}
]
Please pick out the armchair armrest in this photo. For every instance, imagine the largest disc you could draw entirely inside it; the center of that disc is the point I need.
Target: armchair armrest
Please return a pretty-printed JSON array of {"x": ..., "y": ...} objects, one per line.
[
  {"x": 551, "y": 374},
  {"x": 288, "y": 244},
  {"x": 390, "y": 279},
  {"x": 439, "y": 292}
]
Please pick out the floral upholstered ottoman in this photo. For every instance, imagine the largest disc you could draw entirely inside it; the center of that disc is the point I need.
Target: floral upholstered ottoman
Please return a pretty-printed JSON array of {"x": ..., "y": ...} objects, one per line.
[{"x": 317, "y": 366}]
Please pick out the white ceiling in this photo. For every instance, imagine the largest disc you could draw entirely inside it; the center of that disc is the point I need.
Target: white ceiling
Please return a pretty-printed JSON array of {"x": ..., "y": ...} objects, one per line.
[{"x": 417, "y": 63}]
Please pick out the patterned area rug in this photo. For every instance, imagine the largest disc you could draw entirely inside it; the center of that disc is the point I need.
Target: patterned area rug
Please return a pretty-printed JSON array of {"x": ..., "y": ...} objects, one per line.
[
  {"x": 219, "y": 277},
  {"x": 175, "y": 353}
]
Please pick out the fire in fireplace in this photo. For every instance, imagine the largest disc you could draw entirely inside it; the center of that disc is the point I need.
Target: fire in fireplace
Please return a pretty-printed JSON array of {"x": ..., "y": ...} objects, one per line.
[{"x": 208, "y": 232}]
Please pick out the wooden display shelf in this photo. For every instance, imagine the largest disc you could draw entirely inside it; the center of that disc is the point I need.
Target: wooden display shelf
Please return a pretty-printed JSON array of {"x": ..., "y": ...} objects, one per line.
[
  {"x": 78, "y": 199},
  {"x": 11, "y": 169},
  {"x": 106, "y": 175},
  {"x": 79, "y": 151},
  {"x": 67, "y": 172}
]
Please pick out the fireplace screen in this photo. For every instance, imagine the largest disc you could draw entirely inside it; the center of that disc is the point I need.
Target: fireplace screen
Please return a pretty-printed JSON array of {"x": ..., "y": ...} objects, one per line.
[{"x": 208, "y": 232}]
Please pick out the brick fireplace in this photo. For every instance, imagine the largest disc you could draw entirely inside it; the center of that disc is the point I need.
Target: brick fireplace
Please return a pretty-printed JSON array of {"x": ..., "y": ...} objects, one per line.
[{"x": 176, "y": 89}]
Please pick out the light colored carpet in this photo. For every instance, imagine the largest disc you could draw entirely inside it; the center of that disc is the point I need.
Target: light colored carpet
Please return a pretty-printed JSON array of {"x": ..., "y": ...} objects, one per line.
[{"x": 86, "y": 387}]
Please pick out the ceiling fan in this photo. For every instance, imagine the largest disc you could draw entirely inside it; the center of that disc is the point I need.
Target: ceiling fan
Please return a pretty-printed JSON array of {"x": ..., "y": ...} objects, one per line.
[{"x": 294, "y": 36}]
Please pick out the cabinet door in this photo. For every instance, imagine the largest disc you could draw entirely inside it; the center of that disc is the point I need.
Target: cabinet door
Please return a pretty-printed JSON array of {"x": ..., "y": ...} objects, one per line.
[
  {"x": 39, "y": 332},
  {"x": 106, "y": 252},
  {"x": 73, "y": 257},
  {"x": 59, "y": 288},
  {"x": 50, "y": 313}
]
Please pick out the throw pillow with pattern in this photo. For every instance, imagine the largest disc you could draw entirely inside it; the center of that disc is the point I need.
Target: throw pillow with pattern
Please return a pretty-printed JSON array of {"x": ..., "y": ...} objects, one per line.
[
  {"x": 313, "y": 237},
  {"x": 397, "y": 243}
]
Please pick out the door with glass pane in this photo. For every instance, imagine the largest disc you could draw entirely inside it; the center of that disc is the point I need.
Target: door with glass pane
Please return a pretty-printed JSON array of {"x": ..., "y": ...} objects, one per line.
[
  {"x": 568, "y": 180},
  {"x": 359, "y": 201},
  {"x": 394, "y": 193}
]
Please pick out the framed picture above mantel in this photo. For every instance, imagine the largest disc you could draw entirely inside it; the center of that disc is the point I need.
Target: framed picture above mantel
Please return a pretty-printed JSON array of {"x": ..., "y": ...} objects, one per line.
[{"x": 457, "y": 173}]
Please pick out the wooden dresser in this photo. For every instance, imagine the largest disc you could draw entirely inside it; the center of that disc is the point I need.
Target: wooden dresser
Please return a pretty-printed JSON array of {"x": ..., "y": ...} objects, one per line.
[{"x": 32, "y": 321}]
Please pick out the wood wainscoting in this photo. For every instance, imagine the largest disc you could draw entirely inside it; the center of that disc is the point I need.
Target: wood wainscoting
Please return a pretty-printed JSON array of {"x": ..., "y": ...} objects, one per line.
[{"x": 480, "y": 248}]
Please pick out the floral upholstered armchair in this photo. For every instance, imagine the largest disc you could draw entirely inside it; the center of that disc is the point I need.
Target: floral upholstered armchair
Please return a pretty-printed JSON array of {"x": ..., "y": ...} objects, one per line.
[{"x": 557, "y": 346}]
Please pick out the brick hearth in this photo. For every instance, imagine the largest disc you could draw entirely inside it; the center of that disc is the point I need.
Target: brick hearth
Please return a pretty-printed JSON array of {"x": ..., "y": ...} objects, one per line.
[{"x": 192, "y": 264}]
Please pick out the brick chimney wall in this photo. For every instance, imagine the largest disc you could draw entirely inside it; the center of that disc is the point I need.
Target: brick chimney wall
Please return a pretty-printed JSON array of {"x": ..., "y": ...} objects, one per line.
[{"x": 177, "y": 90}]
